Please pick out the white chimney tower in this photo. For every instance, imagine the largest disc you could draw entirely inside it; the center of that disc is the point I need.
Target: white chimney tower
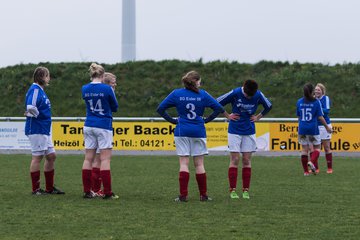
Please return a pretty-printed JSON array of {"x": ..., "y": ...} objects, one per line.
[{"x": 128, "y": 31}]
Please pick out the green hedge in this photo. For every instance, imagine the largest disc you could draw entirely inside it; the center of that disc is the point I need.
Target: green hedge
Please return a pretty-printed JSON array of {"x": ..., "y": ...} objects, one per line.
[{"x": 143, "y": 84}]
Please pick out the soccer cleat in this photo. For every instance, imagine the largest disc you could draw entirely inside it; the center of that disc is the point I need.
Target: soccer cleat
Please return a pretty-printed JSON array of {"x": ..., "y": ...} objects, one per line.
[
  {"x": 234, "y": 195},
  {"x": 329, "y": 171},
  {"x": 312, "y": 167},
  {"x": 181, "y": 199},
  {"x": 110, "y": 196},
  {"x": 205, "y": 198},
  {"x": 99, "y": 193},
  {"x": 55, "y": 191},
  {"x": 39, "y": 192},
  {"x": 89, "y": 195},
  {"x": 245, "y": 195},
  {"x": 306, "y": 174},
  {"x": 317, "y": 171}
]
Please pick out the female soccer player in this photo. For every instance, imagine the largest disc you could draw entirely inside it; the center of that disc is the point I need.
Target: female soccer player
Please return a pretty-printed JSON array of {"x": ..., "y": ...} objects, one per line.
[
  {"x": 100, "y": 104},
  {"x": 190, "y": 134},
  {"x": 320, "y": 92},
  {"x": 309, "y": 112},
  {"x": 109, "y": 79},
  {"x": 38, "y": 130},
  {"x": 241, "y": 133}
]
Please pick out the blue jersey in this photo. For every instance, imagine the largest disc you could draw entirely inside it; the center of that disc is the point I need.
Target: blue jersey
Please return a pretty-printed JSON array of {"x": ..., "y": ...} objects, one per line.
[
  {"x": 245, "y": 107},
  {"x": 41, "y": 124},
  {"x": 325, "y": 104},
  {"x": 190, "y": 107},
  {"x": 100, "y": 104},
  {"x": 308, "y": 114}
]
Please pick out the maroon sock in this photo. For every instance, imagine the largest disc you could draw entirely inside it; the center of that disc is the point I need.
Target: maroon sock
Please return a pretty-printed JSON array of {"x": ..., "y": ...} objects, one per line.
[
  {"x": 246, "y": 176},
  {"x": 96, "y": 180},
  {"x": 314, "y": 157},
  {"x": 183, "y": 182},
  {"x": 316, "y": 161},
  {"x": 304, "y": 162},
  {"x": 328, "y": 157},
  {"x": 106, "y": 179},
  {"x": 86, "y": 179},
  {"x": 49, "y": 180},
  {"x": 201, "y": 180},
  {"x": 232, "y": 175},
  {"x": 35, "y": 180}
]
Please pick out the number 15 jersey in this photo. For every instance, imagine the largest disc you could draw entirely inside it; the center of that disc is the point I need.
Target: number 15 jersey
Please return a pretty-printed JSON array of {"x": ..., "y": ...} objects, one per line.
[{"x": 308, "y": 114}]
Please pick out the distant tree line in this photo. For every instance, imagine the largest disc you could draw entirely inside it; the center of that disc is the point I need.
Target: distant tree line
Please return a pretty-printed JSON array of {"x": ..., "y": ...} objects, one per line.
[{"x": 143, "y": 84}]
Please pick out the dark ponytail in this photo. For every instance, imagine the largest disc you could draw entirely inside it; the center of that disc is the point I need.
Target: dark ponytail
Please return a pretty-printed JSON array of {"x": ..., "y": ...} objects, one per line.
[{"x": 309, "y": 92}]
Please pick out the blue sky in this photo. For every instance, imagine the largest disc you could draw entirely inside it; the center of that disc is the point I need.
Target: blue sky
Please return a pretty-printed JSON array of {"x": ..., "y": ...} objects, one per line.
[{"x": 234, "y": 30}]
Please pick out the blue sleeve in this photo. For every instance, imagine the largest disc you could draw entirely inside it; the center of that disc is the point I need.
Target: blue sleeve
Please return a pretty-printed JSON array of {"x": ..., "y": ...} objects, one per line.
[
  {"x": 326, "y": 105},
  {"x": 32, "y": 99},
  {"x": 265, "y": 103},
  {"x": 168, "y": 102},
  {"x": 297, "y": 109},
  {"x": 82, "y": 92},
  {"x": 215, "y": 106},
  {"x": 166, "y": 116},
  {"x": 113, "y": 102},
  {"x": 226, "y": 98},
  {"x": 319, "y": 110},
  {"x": 212, "y": 116}
]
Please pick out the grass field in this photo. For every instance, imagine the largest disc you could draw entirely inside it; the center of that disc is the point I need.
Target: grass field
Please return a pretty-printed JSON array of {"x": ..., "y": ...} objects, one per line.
[{"x": 284, "y": 204}]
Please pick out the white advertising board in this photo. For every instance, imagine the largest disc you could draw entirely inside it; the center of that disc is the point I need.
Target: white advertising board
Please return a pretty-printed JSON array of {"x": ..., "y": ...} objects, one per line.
[{"x": 12, "y": 136}]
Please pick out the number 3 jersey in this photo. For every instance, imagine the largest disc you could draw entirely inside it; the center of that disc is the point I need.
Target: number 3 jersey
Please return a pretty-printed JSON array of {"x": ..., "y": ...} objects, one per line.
[
  {"x": 308, "y": 114},
  {"x": 190, "y": 107},
  {"x": 100, "y": 104}
]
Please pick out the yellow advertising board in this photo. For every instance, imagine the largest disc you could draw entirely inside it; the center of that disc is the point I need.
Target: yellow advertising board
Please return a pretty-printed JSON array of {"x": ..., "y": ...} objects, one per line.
[
  {"x": 217, "y": 136},
  {"x": 148, "y": 135},
  {"x": 345, "y": 137},
  {"x": 127, "y": 135},
  {"x": 279, "y": 136},
  {"x": 158, "y": 136}
]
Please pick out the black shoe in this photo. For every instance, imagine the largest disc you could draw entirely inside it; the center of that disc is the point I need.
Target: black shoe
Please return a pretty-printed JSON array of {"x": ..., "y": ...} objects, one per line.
[
  {"x": 38, "y": 192},
  {"x": 181, "y": 199},
  {"x": 55, "y": 191},
  {"x": 111, "y": 196},
  {"x": 89, "y": 195},
  {"x": 205, "y": 198}
]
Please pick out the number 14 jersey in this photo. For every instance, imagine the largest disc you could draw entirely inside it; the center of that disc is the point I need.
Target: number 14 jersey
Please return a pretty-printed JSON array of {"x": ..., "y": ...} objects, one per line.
[{"x": 100, "y": 104}]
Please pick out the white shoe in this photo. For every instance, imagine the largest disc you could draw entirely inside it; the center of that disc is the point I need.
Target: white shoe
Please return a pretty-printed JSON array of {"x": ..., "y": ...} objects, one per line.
[{"x": 312, "y": 167}]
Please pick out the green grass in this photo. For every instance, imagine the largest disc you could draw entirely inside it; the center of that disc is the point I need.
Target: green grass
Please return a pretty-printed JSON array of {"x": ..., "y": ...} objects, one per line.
[{"x": 284, "y": 204}]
